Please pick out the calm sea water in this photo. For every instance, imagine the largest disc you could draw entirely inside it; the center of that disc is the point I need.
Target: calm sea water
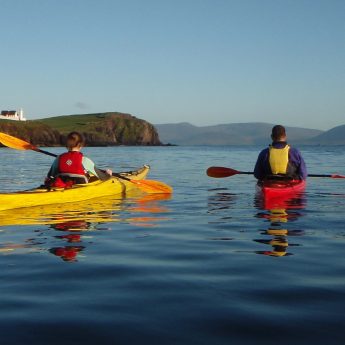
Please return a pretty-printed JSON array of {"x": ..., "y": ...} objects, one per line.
[{"x": 210, "y": 265}]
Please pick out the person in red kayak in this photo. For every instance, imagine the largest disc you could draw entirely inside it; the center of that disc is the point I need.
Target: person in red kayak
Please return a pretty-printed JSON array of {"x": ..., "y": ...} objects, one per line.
[
  {"x": 279, "y": 160},
  {"x": 72, "y": 166}
]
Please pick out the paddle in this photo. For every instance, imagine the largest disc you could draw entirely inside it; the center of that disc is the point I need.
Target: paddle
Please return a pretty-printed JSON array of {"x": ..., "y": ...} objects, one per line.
[
  {"x": 148, "y": 186},
  {"x": 220, "y": 172}
]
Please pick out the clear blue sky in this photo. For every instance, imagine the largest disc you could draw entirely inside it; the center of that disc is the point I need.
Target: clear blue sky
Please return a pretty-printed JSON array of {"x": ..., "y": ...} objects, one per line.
[{"x": 167, "y": 61}]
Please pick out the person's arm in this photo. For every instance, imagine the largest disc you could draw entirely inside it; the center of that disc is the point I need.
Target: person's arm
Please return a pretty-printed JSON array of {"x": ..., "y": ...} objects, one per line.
[
  {"x": 298, "y": 161},
  {"x": 259, "y": 169},
  {"x": 302, "y": 170},
  {"x": 89, "y": 166},
  {"x": 103, "y": 174},
  {"x": 54, "y": 169}
]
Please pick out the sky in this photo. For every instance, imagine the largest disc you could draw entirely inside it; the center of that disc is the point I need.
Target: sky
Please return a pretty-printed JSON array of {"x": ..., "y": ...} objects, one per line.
[{"x": 205, "y": 62}]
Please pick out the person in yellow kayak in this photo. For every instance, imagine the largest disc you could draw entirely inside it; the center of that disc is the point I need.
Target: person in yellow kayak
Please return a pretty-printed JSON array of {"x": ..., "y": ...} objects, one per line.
[
  {"x": 279, "y": 160},
  {"x": 72, "y": 166}
]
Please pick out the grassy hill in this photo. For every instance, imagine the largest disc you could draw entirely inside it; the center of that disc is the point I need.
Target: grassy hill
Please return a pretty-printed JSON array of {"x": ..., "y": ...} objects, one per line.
[
  {"x": 107, "y": 128},
  {"x": 99, "y": 129}
]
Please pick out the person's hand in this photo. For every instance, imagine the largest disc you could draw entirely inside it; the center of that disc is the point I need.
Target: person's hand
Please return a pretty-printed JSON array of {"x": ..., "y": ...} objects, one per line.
[
  {"x": 48, "y": 180},
  {"x": 109, "y": 172}
]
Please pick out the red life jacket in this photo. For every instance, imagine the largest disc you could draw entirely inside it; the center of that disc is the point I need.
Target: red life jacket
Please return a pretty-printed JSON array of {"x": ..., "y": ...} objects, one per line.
[{"x": 71, "y": 163}]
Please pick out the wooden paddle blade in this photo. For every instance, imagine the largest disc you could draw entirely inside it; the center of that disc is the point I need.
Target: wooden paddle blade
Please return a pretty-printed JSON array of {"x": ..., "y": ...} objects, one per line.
[
  {"x": 15, "y": 143},
  {"x": 220, "y": 172},
  {"x": 152, "y": 186}
]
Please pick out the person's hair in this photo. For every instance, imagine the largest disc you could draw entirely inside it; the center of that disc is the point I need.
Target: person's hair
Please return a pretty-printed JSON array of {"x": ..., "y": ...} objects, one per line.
[
  {"x": 278, "y": 132},
  {"x": 74, "y": 139}
]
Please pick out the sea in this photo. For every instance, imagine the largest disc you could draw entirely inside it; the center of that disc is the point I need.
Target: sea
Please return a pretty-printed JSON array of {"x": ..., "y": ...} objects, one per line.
[{"x": 210, "y": 264}]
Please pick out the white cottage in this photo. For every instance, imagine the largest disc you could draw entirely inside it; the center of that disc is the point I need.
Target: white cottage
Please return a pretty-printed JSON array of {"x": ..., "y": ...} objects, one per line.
[{"x": 13, "y": 115}]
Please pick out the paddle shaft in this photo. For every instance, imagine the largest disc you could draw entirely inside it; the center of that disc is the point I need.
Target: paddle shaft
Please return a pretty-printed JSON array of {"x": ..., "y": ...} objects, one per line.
[
  {"x": 331, "y": 176},
  {"x": 45, "y": 152},
  {"x": 309, "y": 175},
  {"x": 221, "y": 172}
]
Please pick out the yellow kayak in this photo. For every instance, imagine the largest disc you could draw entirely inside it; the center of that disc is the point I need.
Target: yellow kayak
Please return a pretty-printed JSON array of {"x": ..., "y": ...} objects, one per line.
[
  {"x": 142, "y": 209},
  {"x": 79, "y": 192}
]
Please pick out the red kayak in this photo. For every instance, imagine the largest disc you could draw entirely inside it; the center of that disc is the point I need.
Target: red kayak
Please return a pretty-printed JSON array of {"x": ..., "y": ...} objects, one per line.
[
  {"x": 278, "y": 193},
  {"x": 281, "y": 188}
]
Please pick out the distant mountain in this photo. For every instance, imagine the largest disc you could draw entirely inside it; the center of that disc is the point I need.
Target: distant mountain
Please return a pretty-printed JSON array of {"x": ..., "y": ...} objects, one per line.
[
  {"x": 335, "y": 136},
  {"x": 228, "y": 134}
]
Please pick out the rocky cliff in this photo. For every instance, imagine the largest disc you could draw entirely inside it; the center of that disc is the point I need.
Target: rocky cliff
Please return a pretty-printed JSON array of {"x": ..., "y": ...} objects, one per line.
[
  {"x": 31, "y": 131},
  {"x": 101, "y": 129}
]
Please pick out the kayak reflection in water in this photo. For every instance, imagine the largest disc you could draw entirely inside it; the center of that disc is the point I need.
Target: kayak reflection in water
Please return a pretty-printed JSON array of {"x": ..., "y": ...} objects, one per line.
[
  {"x": 72, "y": 166},
  {"x": 74, "y": 227},
  {"x": 67, "y": 253},
  {"x": 279, "y": 215},
  {"x": 70, "y": 252},
  {"x": 278, "y": 233},
  {"x": 279, "y": 160},
  {"x": 144, "y": 211}
]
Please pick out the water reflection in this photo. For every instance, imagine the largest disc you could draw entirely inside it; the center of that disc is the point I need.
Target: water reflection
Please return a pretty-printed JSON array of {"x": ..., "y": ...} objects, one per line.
[
  {"x": 279, "y": 213},
  {"x": 222, "y": 200},
  {"x": 69, "y": 252},
  {"x": 78, "y": 223}
]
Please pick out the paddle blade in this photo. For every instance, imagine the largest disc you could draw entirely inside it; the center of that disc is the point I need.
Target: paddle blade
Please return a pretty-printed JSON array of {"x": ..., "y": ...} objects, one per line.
[
  {"x": 15, "y": 143},
  {"x": 220, "y": 172},
  {"x": 152, "y": 186},
  {"x": 337, "y": 176}
]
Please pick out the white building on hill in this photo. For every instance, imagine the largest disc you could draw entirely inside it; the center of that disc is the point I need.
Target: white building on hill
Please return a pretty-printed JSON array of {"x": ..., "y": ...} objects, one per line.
[{"x": 13, "y": 115}]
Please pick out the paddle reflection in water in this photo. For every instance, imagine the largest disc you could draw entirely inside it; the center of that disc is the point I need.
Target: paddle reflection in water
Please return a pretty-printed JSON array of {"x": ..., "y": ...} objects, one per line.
[
  {"x": 78, "y": 223},
  {"x": 279, "y": 213},
  {"x": 221, "y": 203},
  {"x": 221, "y": 200}
]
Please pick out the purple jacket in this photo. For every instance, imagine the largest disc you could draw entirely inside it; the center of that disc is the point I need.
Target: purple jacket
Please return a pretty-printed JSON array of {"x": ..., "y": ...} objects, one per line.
[{"x": 262, "y": 166}]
